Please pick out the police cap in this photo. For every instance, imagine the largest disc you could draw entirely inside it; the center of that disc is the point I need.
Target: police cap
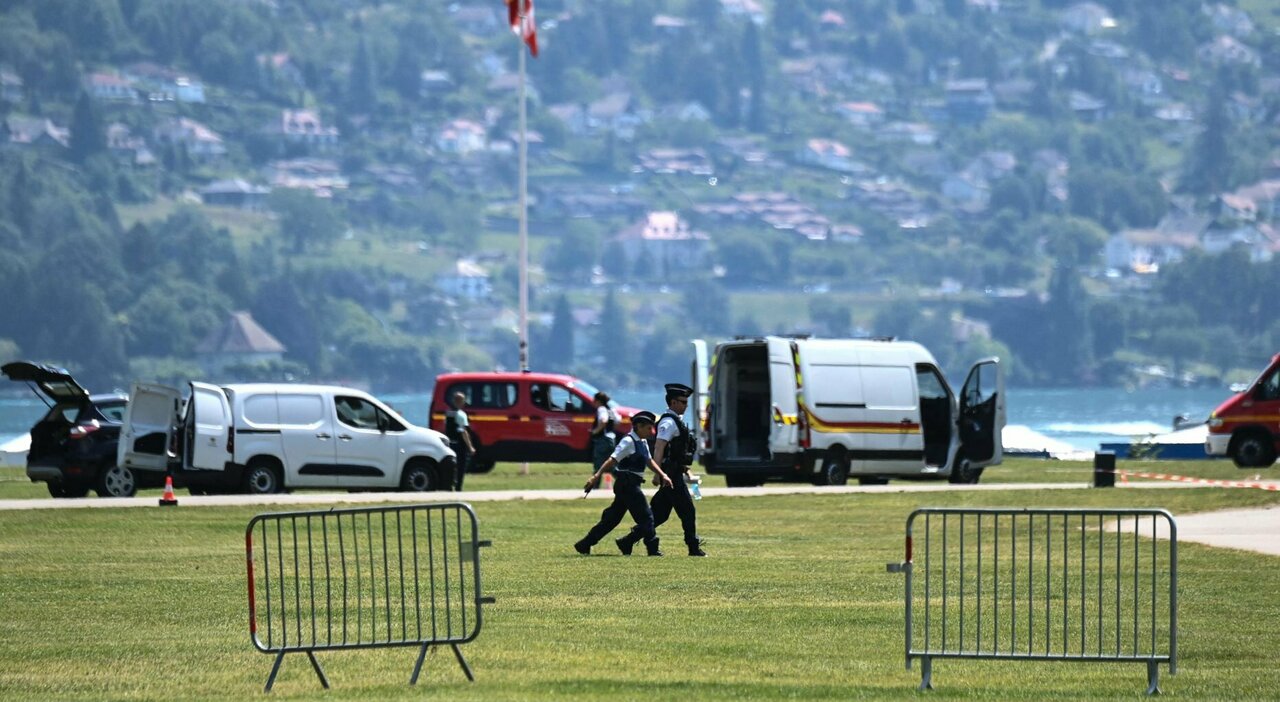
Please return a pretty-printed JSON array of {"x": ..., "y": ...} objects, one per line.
[
  {"x": 678, "y": 390},
  {"x": 644, "y": 417}
]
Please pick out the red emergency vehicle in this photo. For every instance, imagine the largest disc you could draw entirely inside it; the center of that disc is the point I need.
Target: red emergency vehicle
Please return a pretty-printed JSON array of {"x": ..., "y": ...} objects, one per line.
[
  {"x": 524, "y": 416},
  {"x": 1247, "y": 426}
]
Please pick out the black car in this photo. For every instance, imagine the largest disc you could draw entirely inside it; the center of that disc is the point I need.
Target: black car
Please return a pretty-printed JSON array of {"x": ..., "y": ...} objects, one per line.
[{"x": 73, "y": 446}]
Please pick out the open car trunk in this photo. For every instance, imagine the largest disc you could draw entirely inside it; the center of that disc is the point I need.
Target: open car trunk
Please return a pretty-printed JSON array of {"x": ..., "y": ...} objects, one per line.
[{"x": 744, "y": 421}]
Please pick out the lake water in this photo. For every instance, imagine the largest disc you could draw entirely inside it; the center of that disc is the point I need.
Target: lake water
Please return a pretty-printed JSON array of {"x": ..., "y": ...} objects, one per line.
[{"x": 1083, "y": 418}]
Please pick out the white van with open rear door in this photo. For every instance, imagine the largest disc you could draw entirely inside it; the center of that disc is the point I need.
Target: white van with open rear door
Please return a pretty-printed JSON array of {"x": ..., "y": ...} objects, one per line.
[
  {"x": 264, "y": 438},
  {"x": 825, "y": 410}
]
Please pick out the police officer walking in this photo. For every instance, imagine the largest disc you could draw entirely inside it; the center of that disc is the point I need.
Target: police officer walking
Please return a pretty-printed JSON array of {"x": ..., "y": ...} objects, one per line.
[
  {"x": 630, "y": 458},
  {"x": 602, "y": 436},
  {"x": 457, "y": 427},
  {"x": 673, "y": 451}
]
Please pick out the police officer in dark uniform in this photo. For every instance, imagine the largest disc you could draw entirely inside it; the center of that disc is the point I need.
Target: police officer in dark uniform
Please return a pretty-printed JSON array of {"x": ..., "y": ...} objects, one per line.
[
  {"x": 673, "y": 451},
  {"x": 630, "y": 458}
]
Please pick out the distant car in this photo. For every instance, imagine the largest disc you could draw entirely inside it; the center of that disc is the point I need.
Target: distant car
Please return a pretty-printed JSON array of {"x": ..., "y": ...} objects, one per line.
[
  {"x": 539, "y": 417},
  {"x": 73, "y": 446}
]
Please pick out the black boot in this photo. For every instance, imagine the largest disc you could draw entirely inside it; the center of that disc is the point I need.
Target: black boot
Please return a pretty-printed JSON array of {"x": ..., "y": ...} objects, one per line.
[
  {"x": 652, "y": 546},
  {"x": 625, "y": 544},
  {"x": 695, "y": 548},
  {"x": 582, "y": 547}
]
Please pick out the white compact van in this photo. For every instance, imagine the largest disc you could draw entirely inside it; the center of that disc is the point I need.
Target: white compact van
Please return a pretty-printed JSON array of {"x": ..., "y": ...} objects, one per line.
[
  {"x": 823, "y": 410},
  {"x": 268, "y": 437}
]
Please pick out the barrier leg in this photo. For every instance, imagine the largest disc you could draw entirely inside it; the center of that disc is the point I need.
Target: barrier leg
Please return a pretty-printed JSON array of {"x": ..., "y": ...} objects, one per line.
[
  {"x": 1153, "y": 678},
  {"x": 463, "y": 662},
  {"x": 926, "y": 673},
  {"x": 417, "y": 667},
  {"x": 324, "y": 682},
  {"x": 275, "y": 668}
]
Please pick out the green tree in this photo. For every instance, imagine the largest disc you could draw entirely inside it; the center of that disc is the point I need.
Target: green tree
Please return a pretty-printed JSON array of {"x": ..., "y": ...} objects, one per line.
[
  {"x": 1066, "y": 327},
  {"x": 1071, "y": 241},
  {"x": 1210, "y": 161},
  {"x": 362, "y": 83},
  {"x": 558, "y": 350},
  {"x": 88, "y": 136},
  {"x": 832, "y": 314},
  {"x": 306, "y": 221},
  {"x": 614, "y": 334}
]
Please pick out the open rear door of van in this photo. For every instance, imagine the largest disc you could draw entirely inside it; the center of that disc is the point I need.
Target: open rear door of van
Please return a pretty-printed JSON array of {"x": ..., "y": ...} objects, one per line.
[
  {"x": 701, "y": 400},
  {"x": 148, "y": 427},
  {"x": 208, "y": 422},
  {"x": 982, "y": 413},
  {"x": 784, "y": 432}
]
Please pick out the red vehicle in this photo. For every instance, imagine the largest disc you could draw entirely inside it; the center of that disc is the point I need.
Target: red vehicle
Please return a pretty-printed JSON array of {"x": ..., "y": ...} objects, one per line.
[
  {"x": 537, "y": 417},
  {"x": 1247, "y": 426}
]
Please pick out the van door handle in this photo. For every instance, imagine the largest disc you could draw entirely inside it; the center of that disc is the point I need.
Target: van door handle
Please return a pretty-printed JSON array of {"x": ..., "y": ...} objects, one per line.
[
  {"x": 344, "y": 437},
  {"x": 905, "y": 421},
  {"x": 322, "y": 435}
]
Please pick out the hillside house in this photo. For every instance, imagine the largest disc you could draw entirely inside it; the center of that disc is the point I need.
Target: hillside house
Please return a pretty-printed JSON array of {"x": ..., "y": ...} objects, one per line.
[
  {"x": 1228, "y": 50},
  {"x": 861, "y": 114},
  {"x": 663, "y": 245},
  {"x": 11, "y": 86},
  {"x": 282, "y": 67},
  {"x": 306, "y": 127},
  {"x": 164, "y": 84},
  {"x": 236, "y": 192},
  {"x": 1144, "y": 251},
  {"x": 1087, "y": 18},
  {"x": 693, "y": 162},
  {"x": 240, "y": 341},
  {"x": 201, "y": 142},
  {"x": 832, "y": 155},
  {"x": 319, "y": 175},
  {"x": 750, "y": 9},
  {"x": 461, "y": 136},
  {"x": 968, "y": 101},
  {"x": 128, "y": 148},
  {"x": 466, "y": 280},
  {"x": 35, "y": 132},
  {"x": 110, "y": 87}
]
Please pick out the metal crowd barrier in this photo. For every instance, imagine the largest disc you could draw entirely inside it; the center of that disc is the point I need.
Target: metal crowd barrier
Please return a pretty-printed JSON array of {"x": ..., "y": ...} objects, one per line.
[
  {"x": 364, "y": 578},
  {"x": 1041, "y": 584}
]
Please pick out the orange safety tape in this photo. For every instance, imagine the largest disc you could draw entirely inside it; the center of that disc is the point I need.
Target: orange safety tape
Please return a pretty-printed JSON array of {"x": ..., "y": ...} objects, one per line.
[{"x": 1273, "y": 487}]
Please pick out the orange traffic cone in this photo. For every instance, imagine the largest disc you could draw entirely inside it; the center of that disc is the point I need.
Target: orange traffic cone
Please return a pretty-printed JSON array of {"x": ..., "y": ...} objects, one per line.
[
  {"x": 168, "y": 499},
  {"x": 608, "y": 481}
]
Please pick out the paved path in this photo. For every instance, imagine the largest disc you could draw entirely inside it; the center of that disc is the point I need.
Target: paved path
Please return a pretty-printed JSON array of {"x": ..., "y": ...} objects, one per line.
[
  {"x": 1248, "y": 529},
  {"x": 325, "y": 498}
]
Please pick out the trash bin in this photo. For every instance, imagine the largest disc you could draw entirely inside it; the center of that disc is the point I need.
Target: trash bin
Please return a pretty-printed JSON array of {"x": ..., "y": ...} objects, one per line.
[{"x": 1104, "y": 469}]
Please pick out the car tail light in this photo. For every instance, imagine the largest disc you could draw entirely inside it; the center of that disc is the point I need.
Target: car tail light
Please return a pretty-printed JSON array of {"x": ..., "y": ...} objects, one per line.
[
  {"x": 231, "y": 440},
  {"x": 802, "y": 421},
  {"x": 80, "y": 431}
]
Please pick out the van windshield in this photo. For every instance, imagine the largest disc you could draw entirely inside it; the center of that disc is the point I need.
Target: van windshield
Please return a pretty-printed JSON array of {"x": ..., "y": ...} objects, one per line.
[{"x": 588, "y": 389}]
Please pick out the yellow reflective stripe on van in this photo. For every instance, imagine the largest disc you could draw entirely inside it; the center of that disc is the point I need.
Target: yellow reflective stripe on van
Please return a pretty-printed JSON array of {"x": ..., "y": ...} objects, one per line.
[{"x": 472, "y": 417}]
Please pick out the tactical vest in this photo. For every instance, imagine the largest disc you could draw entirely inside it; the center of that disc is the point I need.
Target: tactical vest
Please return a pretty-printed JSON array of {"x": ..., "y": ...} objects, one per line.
[
  {"x": 679, "y": 452},
  {"x": 638, "y": 460},
  {"x": 451, "y": 429}
]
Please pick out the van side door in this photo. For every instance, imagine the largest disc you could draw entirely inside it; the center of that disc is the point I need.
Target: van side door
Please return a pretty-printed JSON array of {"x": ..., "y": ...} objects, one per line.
[
  {"x": 147, "y": 431},
  {"x": 783, "y": 431},
  {"x": 305, "y": 435},
  {"x": 893, "y": 442},
  {"x": 367, "y": 443},
  {"x": 207, "y": 423},
  {"x": 982, "y": 414}
]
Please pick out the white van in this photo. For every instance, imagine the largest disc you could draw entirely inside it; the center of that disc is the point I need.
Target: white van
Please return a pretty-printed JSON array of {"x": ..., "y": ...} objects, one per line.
[
  {"x": 268, "y": 437},
  {"x": 823, "y": 410}
]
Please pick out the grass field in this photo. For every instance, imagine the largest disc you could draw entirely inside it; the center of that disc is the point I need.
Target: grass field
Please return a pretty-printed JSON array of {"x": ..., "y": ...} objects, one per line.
[{"x": 793, "y": 603}]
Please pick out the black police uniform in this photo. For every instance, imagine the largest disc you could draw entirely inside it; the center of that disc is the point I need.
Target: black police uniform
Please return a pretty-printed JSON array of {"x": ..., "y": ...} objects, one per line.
[
  {"x": 628, "y": 476},
  {"x": 678, "y": 457},
  {"x": 463, "y": 457}
]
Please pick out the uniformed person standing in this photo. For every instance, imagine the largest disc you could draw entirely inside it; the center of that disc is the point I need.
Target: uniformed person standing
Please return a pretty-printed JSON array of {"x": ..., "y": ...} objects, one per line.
[
  {"x": 628, "y": 461},
  {"x": 603, "y": 438},
  {"x": 673, "y": 451},
  {"x": 457, "y": 427}
]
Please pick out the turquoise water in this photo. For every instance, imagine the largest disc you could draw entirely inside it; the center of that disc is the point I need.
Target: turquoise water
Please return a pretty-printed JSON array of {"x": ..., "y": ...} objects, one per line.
[{"x": 1083, "y": 418}]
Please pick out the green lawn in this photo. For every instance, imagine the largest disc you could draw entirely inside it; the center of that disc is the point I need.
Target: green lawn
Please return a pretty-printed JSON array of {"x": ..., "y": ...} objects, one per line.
[
  {"x": 549, "y": 476},
  {"x": 793, "y": 603}
]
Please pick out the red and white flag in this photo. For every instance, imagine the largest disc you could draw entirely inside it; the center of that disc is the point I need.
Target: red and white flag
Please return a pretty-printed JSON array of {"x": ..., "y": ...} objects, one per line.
[{"x": 524, "y": 26}]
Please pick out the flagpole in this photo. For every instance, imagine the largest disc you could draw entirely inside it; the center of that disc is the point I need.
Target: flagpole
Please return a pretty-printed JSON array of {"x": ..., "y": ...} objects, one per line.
[
  {"x": 524, "y": 205},
  {"x": 524, "y": 213}
]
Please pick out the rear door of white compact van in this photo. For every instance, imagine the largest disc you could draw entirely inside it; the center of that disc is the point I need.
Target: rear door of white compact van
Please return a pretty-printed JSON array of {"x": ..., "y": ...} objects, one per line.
[
  {"x": 207, "y": 423},
  {"x": 149, "y": 420}
]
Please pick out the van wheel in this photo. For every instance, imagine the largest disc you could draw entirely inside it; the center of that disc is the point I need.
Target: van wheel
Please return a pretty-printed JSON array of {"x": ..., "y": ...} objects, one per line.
[
  {"x": 835, "y": 468},
  {"x": 965, "y": 474},
  {"x": 418, "y": 476},
  {"x": 1252, "y": 450},
  {"x": 261, "y": 477},
  {"x": 116, "y": 481}
]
